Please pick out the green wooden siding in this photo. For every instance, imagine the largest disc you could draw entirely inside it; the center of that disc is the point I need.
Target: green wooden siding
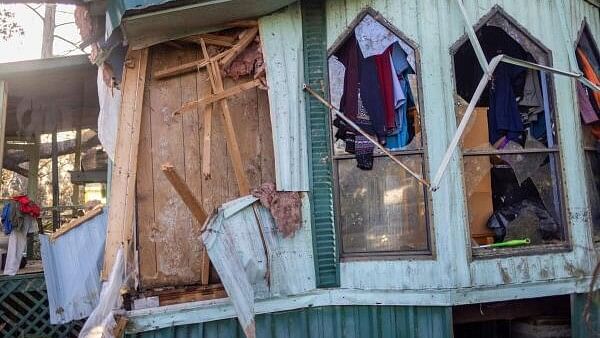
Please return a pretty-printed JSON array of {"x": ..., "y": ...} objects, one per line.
[
  {"x": 24, "y": 309},
  {"x": 321, "y": 192},
  {"x": 329, "y": 322}
]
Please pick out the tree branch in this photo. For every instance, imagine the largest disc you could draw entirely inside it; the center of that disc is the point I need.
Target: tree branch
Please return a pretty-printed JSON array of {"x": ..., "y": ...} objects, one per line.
[
  {"x": 35, "y": 11},
  {"x": 65, "y": 23},
  {"x": 67, "y": 41}
]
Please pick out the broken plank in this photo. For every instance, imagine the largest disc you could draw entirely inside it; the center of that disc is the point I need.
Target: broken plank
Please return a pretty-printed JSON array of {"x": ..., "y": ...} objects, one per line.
[
  {"x": 236, "y": 50},
  {"x": 232, "y": 144},
  {"x": 74, "y": 223},
  {"x": 120, "y": 215},
  {"x": 212, "y": 39},
  {"x": 220, "y": 96},
  {"x": 186, "y": 67},
  {"x": 184, "y": 192},
  {"x": 206, "y": 141}
]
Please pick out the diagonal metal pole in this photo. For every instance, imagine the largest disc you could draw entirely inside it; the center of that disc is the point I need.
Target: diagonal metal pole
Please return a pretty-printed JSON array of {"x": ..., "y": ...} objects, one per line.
[
  {"x": 336, "y": 112},
  {"x": 474, "y": 41}
]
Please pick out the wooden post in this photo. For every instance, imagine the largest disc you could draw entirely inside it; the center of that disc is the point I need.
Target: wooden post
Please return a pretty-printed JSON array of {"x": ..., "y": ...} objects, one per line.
[
  {"x": 77, "y": 166},
  {"x": 55, "y": 183},
  {"x": 122, "y": 201},
  {"x": 33, "y": 155}
]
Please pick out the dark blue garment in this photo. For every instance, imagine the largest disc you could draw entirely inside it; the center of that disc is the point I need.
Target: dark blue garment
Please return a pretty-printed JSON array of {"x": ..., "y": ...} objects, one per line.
[
  {"x": 371, "y": 95},
  {"x": 503, "y": 115},
  {"x": 6, "y": 222}
]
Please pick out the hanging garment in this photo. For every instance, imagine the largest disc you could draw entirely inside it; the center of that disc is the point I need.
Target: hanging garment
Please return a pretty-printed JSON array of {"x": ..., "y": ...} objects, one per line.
[
  {"x": 402, "y": 137},
  {"x": 385, "y": 74},
  {"x": 12, "y": 217},
  {"x": 532, "y": 93},
  {"x": 590, "y": 74},
  {"x": 374, "y": 38},
  {"x": 348, "y": 56},
  {"x": 371, "y": 101},
  {"x": 504, "y": 117},
  {"x": 588, "y": 114},
  {"x": 364, "y": 152},
  {"x": 17, "y": 245},
  {"x": 27, "y": 206}
]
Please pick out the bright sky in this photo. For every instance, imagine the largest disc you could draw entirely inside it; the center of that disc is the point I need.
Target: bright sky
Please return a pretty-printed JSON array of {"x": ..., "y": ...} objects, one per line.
[{"x": 29, "y": 46}]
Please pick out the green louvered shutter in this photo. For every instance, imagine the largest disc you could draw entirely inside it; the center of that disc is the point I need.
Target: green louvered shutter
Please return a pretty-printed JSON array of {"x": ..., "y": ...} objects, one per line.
[{"x": 321, "y": 185}]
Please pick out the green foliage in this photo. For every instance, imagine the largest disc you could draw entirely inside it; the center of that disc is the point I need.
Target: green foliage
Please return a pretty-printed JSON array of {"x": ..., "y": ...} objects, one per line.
[{"x": 9, "y": 28}]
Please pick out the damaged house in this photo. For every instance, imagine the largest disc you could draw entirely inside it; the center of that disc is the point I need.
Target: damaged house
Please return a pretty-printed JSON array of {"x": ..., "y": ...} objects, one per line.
[{"x": 320, "y": 169}]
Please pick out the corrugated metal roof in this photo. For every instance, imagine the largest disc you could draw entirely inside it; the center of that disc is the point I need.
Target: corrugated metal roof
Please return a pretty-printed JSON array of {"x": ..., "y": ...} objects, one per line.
[
  {"x": 329, "y": 322},
  {"x": 72, "y": 265}
]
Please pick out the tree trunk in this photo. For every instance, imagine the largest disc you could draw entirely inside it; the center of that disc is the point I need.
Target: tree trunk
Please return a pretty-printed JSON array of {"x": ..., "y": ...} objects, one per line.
[{"x": 48, "y": 32}]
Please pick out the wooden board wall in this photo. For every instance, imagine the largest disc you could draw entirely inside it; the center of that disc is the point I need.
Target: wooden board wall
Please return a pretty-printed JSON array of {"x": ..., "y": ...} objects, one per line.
[{"x": 169, "y": 244}]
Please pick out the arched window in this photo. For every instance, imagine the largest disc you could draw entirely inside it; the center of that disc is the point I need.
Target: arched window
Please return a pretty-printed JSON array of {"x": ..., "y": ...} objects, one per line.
[
  {"x": 588, "y": 58},
  {"x": 510, "y": 148},
  {"x": 374, "y": 80}
]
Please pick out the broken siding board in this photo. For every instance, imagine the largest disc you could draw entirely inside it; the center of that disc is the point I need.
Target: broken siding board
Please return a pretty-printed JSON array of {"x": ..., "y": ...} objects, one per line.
[
  {"x": 281, "y": 37},
  {"x": 120, "y": 219},
  {"x": 265, "y": 143}
]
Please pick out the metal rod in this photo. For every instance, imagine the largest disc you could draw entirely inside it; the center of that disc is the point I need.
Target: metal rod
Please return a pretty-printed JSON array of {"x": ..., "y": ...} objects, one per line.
[
  {"x": 473, "y": 38},
  {"x": 363, "y": 133}
]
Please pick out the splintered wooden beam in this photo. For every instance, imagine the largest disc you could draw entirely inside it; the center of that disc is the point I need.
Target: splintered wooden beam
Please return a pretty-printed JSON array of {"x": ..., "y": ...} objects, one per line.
[
  {"x": 236, "y": 50},
  {"x": 207, "y": 125},
  {"x": 185, "y": 193},
  {"x": 212, "y": 39},
  {"x": 186, "y": 67},
  {"x": 122, "y": 199},
  {"x": 219, "y": 96}
]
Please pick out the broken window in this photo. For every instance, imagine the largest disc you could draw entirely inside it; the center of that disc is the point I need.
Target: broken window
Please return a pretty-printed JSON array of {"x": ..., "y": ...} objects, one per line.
[
  {"x": 373, "y": 76},
  {"x": 510, "y": 151},
  {"x": 588, "y": 59}
]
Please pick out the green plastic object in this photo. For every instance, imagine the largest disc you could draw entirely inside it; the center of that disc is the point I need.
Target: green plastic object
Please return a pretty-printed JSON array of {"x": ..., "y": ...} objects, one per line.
[{"x": 508, "y": 244}]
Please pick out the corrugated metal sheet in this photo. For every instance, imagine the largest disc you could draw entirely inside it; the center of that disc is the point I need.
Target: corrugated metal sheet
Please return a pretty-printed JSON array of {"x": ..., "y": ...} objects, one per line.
[
  {"x": 72, "y": 266},
  {"x": 329, "y": 322},
  {"x": 435, "y": 25},
  {"x": 281, "y": 36}
]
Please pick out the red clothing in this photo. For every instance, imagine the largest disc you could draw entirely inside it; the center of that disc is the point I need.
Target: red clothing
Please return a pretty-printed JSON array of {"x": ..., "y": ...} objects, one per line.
[
  {"x": 384, "y": 74},
  {"x": 27, "y": 206}
]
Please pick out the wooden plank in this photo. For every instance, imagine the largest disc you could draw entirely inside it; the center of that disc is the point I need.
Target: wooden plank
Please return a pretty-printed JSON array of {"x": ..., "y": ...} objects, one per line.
[
  {"x": 236, "y": 50},
  {"x": 192, "y": 295},
  {"x": 146, "y": 226},
  {"x": 184, "y": 68},
  {"x": 212, "y": 39},
  {"x": 232, "y": 144},
  {"x": 83, "y": 177},
  {"x": 74, "y": 223},
  {"x": 185, "y": 193},
  {"x": 219, "y": 96},
  {"x": 55, "y": 183},
  {"x": 265, "y": 143},
  {"x": 3, "y": 111},
  {"x": 77, "y": 165},
  {"x": 120, "y": 217},
  {"x": 193, "y": 165}
]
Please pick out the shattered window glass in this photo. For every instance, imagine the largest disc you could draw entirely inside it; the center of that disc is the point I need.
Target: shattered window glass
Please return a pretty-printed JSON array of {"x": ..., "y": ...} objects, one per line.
[
  {"x": 374, "y": 83},
  {"x": 510, "y": 145}
]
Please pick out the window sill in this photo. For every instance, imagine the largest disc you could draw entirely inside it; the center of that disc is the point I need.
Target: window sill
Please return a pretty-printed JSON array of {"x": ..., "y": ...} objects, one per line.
[
  {"x": 542, "y": 249},
  {"x": 388, "y": 256}
]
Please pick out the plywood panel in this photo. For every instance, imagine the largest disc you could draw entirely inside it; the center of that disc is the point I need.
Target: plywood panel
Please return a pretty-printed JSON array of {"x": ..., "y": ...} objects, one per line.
[{"x": 170, "y": 249}]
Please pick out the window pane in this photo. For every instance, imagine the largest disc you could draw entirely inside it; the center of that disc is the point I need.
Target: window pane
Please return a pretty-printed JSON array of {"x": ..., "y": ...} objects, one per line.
[
  {"x": 514, "y": 197},
  {"x": 382, "y": 210},
  {"x": 593, "y": 181}
]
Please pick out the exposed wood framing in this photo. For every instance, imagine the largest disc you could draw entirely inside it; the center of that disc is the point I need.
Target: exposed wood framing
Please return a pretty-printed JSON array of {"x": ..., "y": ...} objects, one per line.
[
  {"x": 120, "y": 216},
  {"x": 3, "y": 110},
  {"x": 186, "y": 67},
  {"x": 220, "y": 96},
  {"x": 236, "y": 50},
  {"x": 207, "y": 128},
  {"x": 212, "y": 39},
  {"x": 75, "y": 223},
  {"x": 55, "y": 184}
]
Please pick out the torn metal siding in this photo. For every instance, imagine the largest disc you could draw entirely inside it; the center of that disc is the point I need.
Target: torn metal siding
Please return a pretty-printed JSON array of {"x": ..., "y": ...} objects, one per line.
[
  {"x": 435, "y": 26},
  {"x": 329, "y": 322},
  {"x": 72, "y": 265},
  {"x": 281, "y": 37}
]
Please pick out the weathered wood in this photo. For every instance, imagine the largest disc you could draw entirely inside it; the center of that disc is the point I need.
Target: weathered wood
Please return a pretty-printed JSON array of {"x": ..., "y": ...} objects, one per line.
[
  {"x": 120, "y": 217},
  {"x": 55, "y": 183},
  {"x": 3, "y": 111},
  {"x": 119, "y": 329},
  {"x": 212, "y": 39},
  {"x": 77, "y": 165},
  {"x": 83, "y": 177},
  {"x": 236, "y": 50},
  {"x": 189, "y": 295},
  {"x": 185, "y": 68},
  {"x": 34, "y": 164},
  {"x": 184, "y": 192},
  {"x": 220, "y": 96},
  {"x": 74, "y": 223}
]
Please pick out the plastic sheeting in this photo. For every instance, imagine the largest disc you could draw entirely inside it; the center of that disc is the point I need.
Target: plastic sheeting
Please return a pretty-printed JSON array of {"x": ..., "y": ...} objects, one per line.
[
  {"x": 108, "y": 118},
  {"x": 72, "y": 265}
]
